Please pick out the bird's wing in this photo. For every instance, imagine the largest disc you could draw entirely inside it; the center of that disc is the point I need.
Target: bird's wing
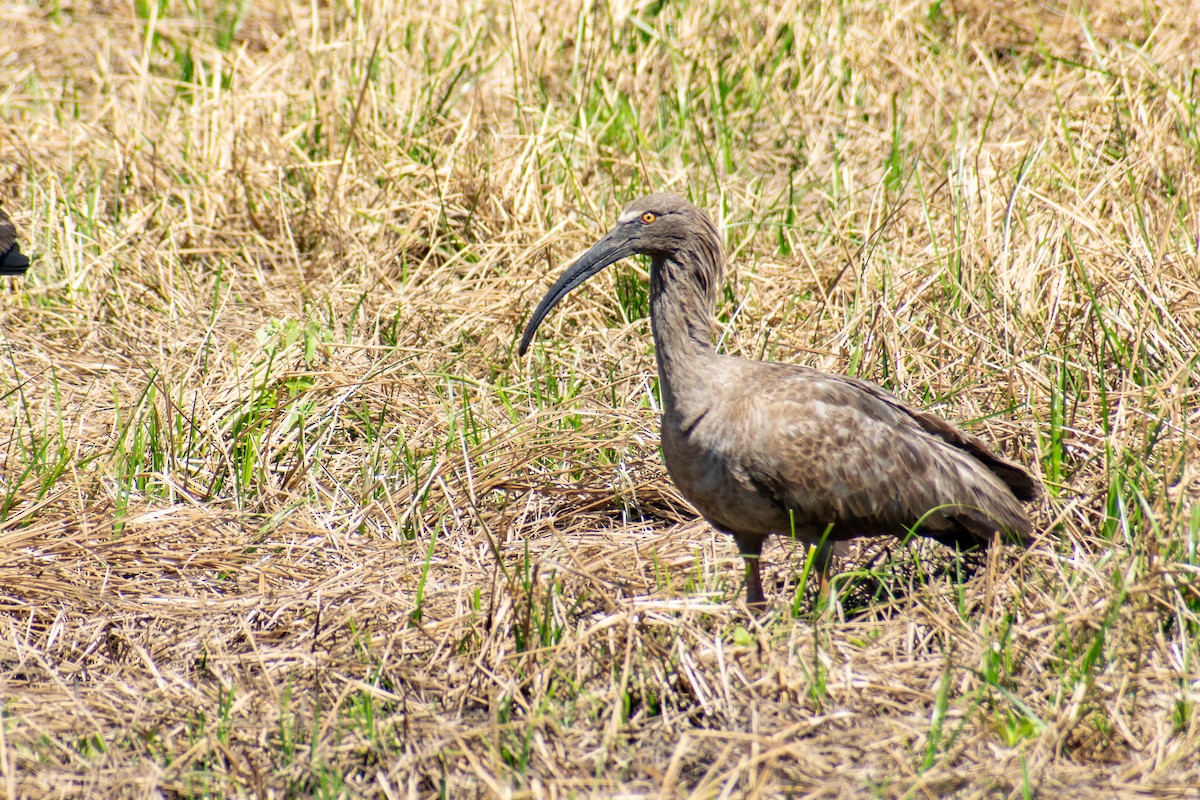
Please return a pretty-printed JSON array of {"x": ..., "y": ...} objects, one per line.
[
  {"x": 1019, "y": 481},
  {"x": 835, "y": 452},
  {"x": 8, "y": 233}
]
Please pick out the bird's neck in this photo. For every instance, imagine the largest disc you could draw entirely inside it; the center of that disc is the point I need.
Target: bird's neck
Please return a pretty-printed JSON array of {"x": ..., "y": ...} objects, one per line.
[{"x": 682, "y": 299}]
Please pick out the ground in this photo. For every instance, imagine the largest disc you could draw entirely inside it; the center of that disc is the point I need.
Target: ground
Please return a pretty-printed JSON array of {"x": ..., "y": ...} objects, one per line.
[{"x": 282, "y": 513}]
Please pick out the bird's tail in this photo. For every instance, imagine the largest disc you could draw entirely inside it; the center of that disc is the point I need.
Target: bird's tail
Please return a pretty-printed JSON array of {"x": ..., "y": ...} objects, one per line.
[{"x": 14, "y": 262}]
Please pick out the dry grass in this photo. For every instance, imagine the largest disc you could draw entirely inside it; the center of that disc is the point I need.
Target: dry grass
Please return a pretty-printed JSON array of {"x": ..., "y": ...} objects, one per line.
[{"x": 283, "y": 515}]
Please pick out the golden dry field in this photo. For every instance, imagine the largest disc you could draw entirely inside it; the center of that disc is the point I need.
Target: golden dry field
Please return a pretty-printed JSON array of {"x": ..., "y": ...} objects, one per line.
[{"x": 283, "y": 514}]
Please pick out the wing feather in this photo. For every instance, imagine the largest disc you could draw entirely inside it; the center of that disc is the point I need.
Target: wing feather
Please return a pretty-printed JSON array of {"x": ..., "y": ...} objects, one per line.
[{"x": 839, "y": 451}]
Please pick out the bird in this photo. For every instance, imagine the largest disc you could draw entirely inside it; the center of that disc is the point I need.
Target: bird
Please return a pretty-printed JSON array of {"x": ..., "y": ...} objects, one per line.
[
  {"x": 12, "y": 260},
  {"x": 762, "y": 448}
]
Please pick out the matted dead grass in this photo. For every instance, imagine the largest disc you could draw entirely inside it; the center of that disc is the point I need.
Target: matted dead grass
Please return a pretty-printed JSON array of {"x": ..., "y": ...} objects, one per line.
[{"x": 283, "y": 514}]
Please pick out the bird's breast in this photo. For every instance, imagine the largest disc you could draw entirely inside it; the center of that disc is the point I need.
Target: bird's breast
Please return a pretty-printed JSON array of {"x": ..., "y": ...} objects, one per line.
[{"x": 711, "y": 477}]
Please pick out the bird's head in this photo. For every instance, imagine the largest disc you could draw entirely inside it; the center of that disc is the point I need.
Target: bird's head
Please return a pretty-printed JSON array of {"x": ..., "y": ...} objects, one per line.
[{"x": 661, "y": 226}]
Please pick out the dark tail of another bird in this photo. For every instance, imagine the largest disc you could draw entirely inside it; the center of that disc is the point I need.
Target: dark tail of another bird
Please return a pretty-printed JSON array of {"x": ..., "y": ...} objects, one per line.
[{"x": 14, "y": 262}]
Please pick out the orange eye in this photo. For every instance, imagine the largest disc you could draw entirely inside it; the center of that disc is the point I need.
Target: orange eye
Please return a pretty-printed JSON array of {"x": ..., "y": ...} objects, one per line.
[{"x": 648, "y": 217}]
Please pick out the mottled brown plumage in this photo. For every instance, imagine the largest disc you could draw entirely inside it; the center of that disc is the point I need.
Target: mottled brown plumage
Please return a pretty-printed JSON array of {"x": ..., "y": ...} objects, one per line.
[
  {"x": 12, "y": 261},
  {"x": 761, "y": 447}
]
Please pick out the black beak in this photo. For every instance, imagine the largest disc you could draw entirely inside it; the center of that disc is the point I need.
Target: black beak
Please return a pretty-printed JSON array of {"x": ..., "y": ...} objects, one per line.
[{"x": 615, "y": 245}]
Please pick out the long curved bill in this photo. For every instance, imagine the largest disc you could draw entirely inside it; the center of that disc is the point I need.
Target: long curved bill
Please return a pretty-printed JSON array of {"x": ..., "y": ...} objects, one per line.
[{"x": 612, "y": 248}]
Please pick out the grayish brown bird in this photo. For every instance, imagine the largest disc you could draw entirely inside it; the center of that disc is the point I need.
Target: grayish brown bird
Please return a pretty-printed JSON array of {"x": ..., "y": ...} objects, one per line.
[
  {"x": 12, "y": 260},
  {"x": 760, "y": 447}
]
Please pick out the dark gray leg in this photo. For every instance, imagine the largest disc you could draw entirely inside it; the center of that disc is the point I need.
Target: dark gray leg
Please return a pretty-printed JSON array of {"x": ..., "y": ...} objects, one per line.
[
  {"x": 823, "y": 561},
  {"x": 751, "y": 549}
]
